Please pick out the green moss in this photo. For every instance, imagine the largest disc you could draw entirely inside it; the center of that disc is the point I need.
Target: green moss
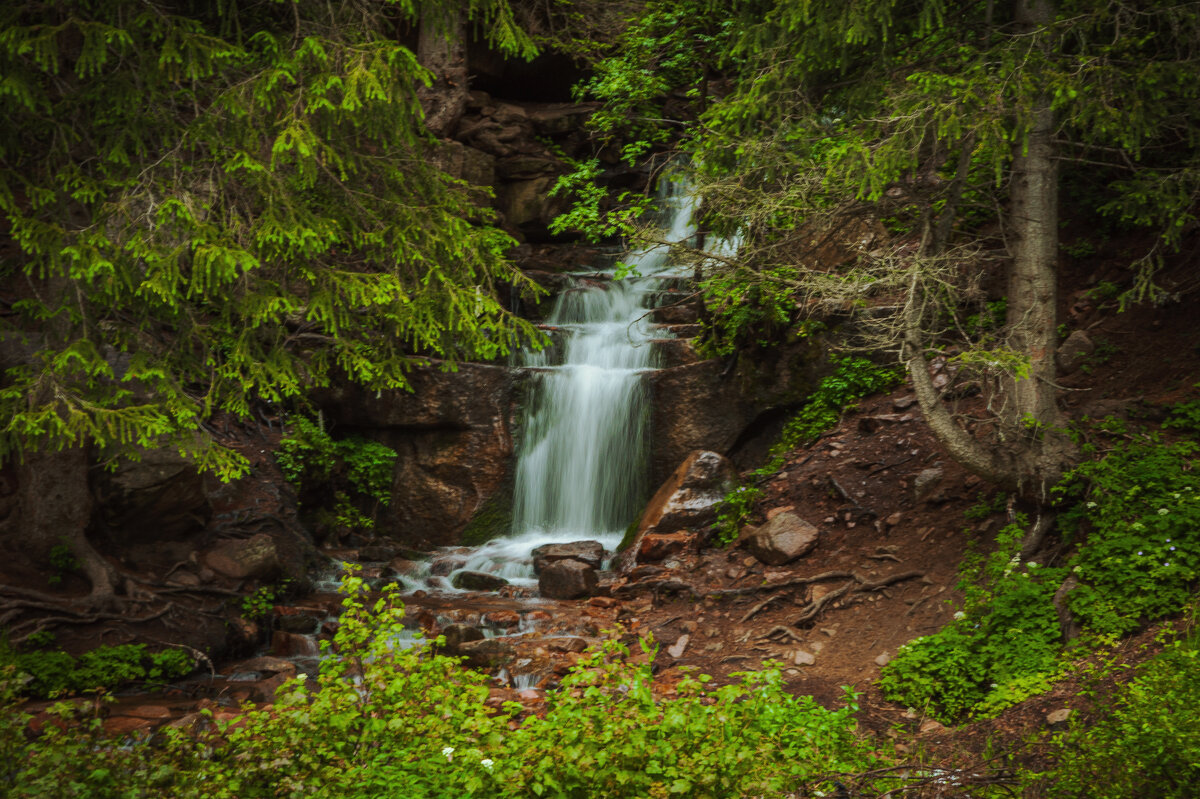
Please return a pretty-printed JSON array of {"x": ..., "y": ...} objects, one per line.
[
  {"x": 630, "y": 533},
  {"x": 492, "y": 520}
]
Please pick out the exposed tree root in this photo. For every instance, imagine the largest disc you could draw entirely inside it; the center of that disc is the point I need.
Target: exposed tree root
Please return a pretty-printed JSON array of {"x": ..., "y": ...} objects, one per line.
[{"x": 856, "y": 585}]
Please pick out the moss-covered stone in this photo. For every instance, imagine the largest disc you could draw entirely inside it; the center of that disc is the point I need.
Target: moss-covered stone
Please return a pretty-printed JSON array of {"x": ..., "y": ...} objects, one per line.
[
  {"x": 492, "y": 520},
  {"x": 630, "y": 533}
]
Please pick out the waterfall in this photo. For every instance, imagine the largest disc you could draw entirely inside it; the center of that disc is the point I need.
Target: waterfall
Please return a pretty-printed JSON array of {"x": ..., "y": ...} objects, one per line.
[{"x": 582, "y": 459}]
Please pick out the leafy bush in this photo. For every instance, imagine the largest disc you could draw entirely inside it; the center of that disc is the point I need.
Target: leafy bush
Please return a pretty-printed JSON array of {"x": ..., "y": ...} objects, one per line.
[
  {"x": 388, "y": 721},
  {"x": 1001, "y": 648},
  {"x": 1136, "y": 517},
  {"x": 54, "y": 673},
  {"x": 343, "y": 484},
  {"x": 1146, "y": 741},
  {"x": 852, "y": 379}
]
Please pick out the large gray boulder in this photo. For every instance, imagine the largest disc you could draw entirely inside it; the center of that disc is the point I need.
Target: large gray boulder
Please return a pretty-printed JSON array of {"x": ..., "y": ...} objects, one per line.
[
  {"x": 590, "y": 552},
  {"x": 781, "y": 539},
  {"x": 567, "y": 579}
]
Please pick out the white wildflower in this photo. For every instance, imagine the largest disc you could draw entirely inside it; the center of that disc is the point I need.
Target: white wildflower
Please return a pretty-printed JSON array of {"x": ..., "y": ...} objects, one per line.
[
  {"x": 487, "y": 763},
  {"x": 448, "y": 752},
  {"x": 1163, "y": 511},
  {"x": 960, "y": 615}
]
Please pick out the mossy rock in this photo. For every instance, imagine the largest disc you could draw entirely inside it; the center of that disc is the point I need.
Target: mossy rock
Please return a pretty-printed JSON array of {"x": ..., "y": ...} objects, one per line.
[
  {"x": 492, "y": 520},
  {"x": 630, "y": 533}
]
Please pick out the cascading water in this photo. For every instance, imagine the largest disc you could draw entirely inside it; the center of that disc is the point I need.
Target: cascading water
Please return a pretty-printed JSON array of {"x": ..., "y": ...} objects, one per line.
[{"x": 581, "y": 465}]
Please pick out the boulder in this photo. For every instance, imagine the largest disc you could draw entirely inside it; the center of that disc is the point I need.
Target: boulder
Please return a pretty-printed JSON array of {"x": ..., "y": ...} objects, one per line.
[
  {"x": 458, "y": 634},
  {"x": 477, "y": 581},
  {"x": 781, "y": 540},
  {"x": 590, "y": 552},
  {"x": 487, "y": 652},
  {"x": 688, "y": 499},
  {"x": 254, "y": 557},
  {"x": 567, "y": 579},
  {"x": 1074, "y": 352},
  {"x": 655, "y": 546}
]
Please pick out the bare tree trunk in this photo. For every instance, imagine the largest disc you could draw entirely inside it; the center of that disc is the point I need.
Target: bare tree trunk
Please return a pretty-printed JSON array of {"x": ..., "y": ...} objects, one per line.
[
  {"x": 441, "y": 48},
  {"x": 56, "y": 509},
  {"x": 1034, "y": 416}
]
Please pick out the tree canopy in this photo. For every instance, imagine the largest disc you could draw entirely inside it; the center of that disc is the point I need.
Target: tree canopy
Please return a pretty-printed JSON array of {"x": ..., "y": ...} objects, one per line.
[
  {"x": 938, "y": 135},
  {"x": 209, "y": 205}
]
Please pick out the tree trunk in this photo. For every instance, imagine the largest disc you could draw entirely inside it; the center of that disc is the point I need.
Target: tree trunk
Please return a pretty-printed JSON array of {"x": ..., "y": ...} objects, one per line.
[
  {"x": 441, "y": 48},
  {"x": 1033, "y": 417},
  {"x": 56, "y": 509}
]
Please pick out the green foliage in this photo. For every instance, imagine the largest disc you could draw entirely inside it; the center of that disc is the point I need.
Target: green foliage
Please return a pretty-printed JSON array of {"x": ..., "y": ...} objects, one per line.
[
  {"x": 54, "y": 673},
  {"x": 261, "y": 602},
  {"x": 383, "y": 720},
  {"x": 852, "y": 379},
  {"x": 1185, "y": 416},
  {"x": 1002, "y": 647},
  {"x": 1142, "y": 741},
  {"x": 63, "y": 561},
  {"x": 213, "y": 205},
  {"x": 1135, "y": 515},
  {"x": 344, "y": 483},
  {"x": 751, "y": 309}
]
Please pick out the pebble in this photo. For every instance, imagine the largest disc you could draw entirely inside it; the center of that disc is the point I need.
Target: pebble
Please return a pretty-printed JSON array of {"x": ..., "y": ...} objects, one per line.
[
  {"x": 883, "y": 659},
  {"x": 802, "y": 658}
]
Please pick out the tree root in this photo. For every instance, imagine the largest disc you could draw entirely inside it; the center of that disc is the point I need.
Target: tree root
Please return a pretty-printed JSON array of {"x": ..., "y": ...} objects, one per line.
[
  {"x": 663, "y": 586},
  {"x": 857, "y": 584}
]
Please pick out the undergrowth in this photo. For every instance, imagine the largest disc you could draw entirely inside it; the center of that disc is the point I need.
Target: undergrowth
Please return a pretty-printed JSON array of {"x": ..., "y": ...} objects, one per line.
[
  {"x": 1141, "y": 741},
  {"x": 381, "y": 720},
  {"x": 1131, "y": 516},
  {"x": 46, "y": 673},
  {"x": 343, "y": 484}
]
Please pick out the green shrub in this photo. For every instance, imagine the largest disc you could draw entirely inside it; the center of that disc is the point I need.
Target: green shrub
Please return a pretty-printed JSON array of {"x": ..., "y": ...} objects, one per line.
[
  {"x": 1135, "y": 516},
  {"x": 1002, "y": 647},
  {"x": 343, "y": 484},
  {"x": 382, "y": 720},
  {"x": 1146, "y": 741},
  {"x": 55, "y": 673}
]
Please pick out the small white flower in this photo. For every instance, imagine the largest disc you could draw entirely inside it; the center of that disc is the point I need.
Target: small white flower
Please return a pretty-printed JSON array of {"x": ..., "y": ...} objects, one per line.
[
  {"x": 1163, "y": 511},
  {"x": 1139, "y": 551},
  {"x": 448, "y": 752},
  {"x": 1032, "y": 564},
  {"x": 1172, "y": 549},
  {"x": 486, "y": 763},
  {"x": 960, "y": 615},
  {"x": 1091, "y": 504}
]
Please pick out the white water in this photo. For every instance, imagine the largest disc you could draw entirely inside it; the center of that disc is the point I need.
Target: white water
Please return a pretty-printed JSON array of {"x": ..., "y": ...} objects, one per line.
[{"x": 582, "y": 461}]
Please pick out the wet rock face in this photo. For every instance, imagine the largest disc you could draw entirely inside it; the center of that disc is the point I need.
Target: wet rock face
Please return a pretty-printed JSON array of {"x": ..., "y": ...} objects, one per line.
[
  {"x": 567, "y": 579},
  {"x": 781, "y": 540},
  {"x": 453, "y": 434},
  {"x": 589, "y": 552},
  {"x": 687, "y": 500},
  {"x": 158, "y": 498}
]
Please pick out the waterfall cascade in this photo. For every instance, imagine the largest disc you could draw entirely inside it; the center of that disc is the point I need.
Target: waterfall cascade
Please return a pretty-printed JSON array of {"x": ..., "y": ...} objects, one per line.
[{"x": 582, "y": 460}]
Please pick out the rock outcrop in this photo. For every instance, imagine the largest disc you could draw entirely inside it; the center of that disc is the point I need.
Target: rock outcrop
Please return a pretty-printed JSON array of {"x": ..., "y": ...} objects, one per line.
[{"x": 688, "y": 499}]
